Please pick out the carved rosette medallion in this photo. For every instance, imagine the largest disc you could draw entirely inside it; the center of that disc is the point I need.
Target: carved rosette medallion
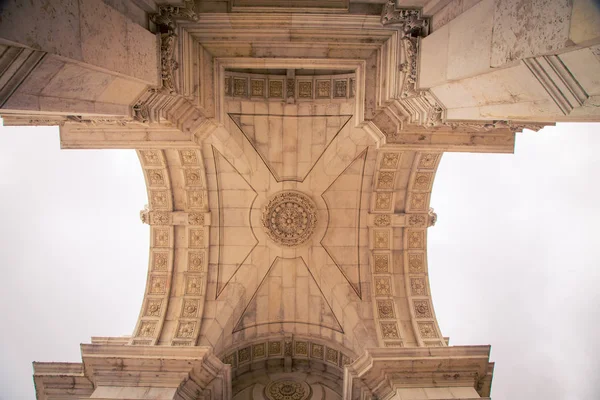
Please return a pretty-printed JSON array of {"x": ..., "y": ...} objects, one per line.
[
  {"x": 287, "y": 390},
  {"x": 289, "y": 218}
]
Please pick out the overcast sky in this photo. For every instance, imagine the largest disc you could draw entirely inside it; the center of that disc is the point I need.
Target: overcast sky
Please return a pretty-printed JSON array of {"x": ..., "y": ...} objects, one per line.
[{"x": 513, "y": 258}]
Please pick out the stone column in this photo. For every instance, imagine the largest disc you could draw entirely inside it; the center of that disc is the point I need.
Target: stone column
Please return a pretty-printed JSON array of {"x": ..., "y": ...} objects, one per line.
[{"x": 112, "y": 371}]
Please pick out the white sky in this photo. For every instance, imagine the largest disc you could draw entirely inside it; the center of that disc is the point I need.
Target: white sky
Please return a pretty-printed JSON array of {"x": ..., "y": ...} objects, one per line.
[{"x": 513, "y": 258}]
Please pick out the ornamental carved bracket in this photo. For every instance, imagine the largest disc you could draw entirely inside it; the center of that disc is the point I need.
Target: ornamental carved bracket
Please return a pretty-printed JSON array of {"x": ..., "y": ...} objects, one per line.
[
  {"x": 166, "y": 23},
  {"x": 409, "y": 20}
]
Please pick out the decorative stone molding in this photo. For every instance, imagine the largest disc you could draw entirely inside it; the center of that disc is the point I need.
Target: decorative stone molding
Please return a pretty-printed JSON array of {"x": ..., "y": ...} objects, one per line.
[
  {"x": 289, "y": 218},
  {"x": 286, "y": 389},
  {"x": 114, "y": 369},
  {"x": 381, "y": 373},
  {"x": 174, "y": 218}
]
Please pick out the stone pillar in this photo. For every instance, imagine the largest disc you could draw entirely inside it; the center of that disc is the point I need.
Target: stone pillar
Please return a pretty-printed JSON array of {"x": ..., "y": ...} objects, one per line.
[
  {"x": 75, "y": 57},
  {"x": 112, "y": 371},
  {"x": 528, "y": 60},
  {"x": 444, "y": 373}
]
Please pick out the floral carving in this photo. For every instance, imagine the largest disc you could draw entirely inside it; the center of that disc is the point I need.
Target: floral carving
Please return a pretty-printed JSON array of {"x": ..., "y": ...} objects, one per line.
[
  {"x": 189, "y": 157},
  {"x": 331, "y": 355},
  {"x": 158, "y": 285},
  {"x": 196, "y": 219},
  {"x": 417, "y": 220},
  {"x": 244, "y": 355},
  {"x": 290, "y": 87},
  {"x": 305, "y": 90},
  {"x": 418, "y": 287},
  {"x": 195, "y": 261},
  {"x": 416, "y": 239},
  {"x": 383, "y": 201},
  {"x": 159, "y": 199},
  {"x": 195, "y": 198},
  {"x": 383, "y": 286},
  {"x": 160, "y": 218},
  {"x": 196, "y": 238},
  {"x": 301, "y": 348},
  {"x": 240, "y": 87},
  {"x": 287, "y": 390},
  {"x": 427, "y": 330},
  {"x": 382, "y": 239},
  {"x": 381, "y": 263},
  {"x": 193, "y": 285},
  {"x": 386, "y": 180},
  {"x": 258, "y": 350},
  {"x": 418, "y": 201},
  {"x": 422, "y": 180},
  {"x": 274, "y": 348},
  {"x": 385, "y": 309},
  {"x": 341, "y": 88},
  {"x": 389, "y": 330},
  {"x": 289, "y": 218},
  {"x": 276, "y": 89},
  {"x": 151, "y": 157},
  {"x": 189, "y": 309},
  {"x": 159, "y": 262},
  {"x": 428, "y": 160},
  {"x": 323, "y": 89},
  {"x": 382, "y": 220},
  {"x": 168, "y": 63},
  {"x": 161, "y": 237},
  {"x": 422, "y": 309},
  {"x": 258, "y": 87},
  {"x": 193, "y": 177},
  {"x": 147, "y": 329},
  {"x": 316, "y": 351},
  {"x": 153, "y": 308},
  {"x": 155, "y": 176},
  {"x": 390, "y": 160},
  {"x": 415, "y": 263},
  {"x": 185, "y": 330}
]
